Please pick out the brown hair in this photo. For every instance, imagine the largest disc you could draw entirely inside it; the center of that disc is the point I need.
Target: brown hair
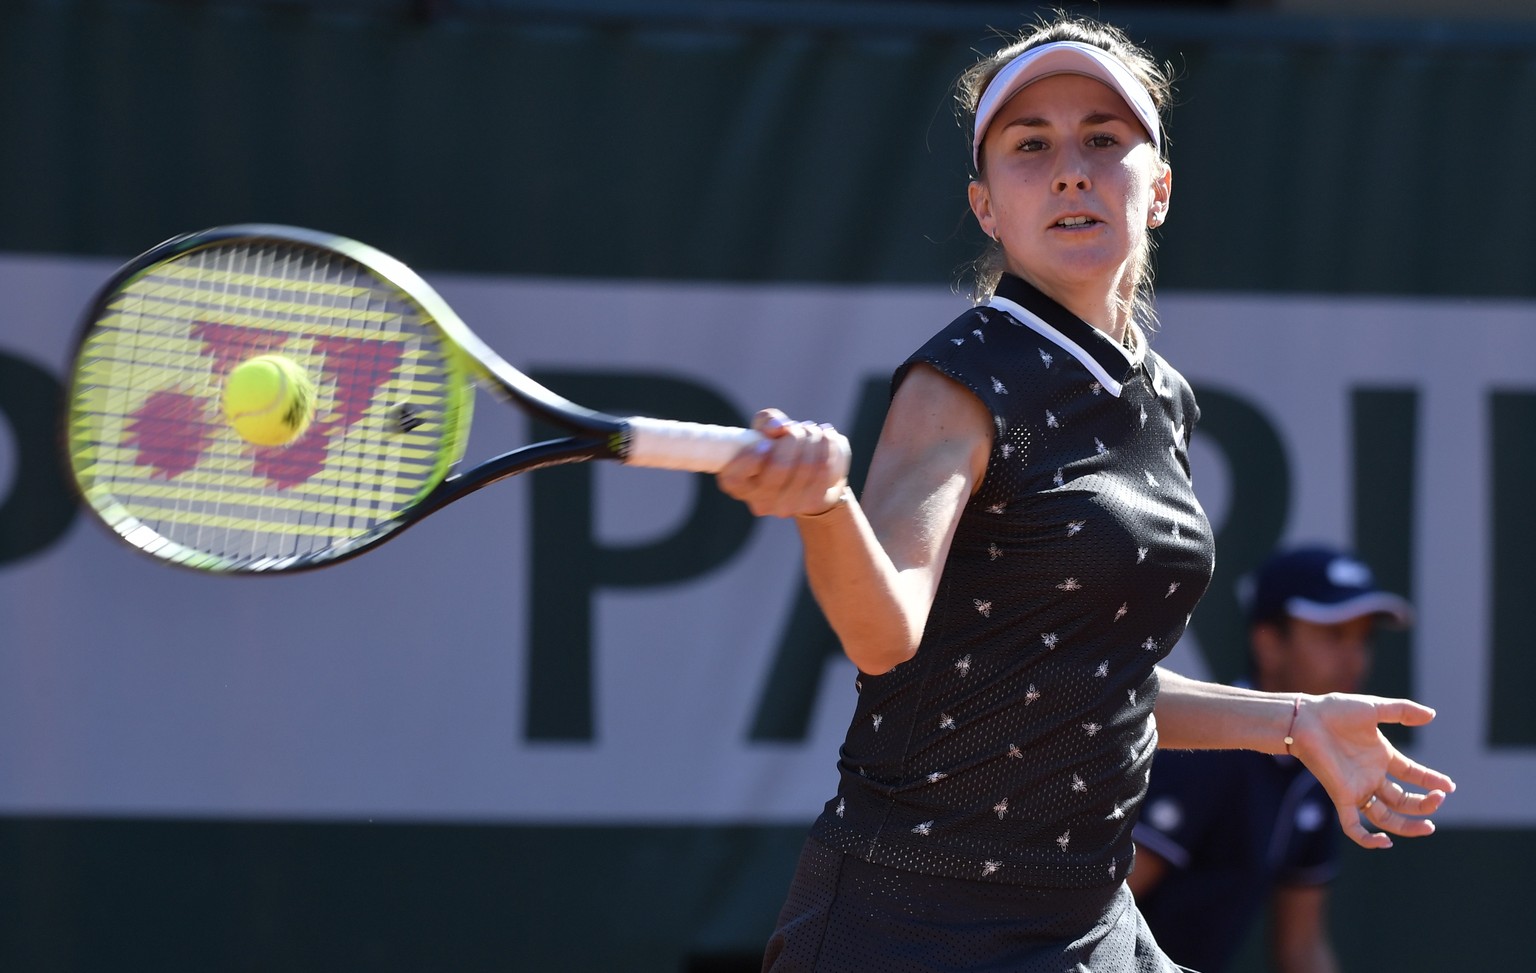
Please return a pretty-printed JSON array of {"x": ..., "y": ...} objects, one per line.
[{"x": 989, "y": 266}]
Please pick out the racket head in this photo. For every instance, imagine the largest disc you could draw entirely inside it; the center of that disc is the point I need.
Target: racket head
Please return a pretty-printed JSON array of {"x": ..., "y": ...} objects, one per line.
[{"x": 149, "y": 449}]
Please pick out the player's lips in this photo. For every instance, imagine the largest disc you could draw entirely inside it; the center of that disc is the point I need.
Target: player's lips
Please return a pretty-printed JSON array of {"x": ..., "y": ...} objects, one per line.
[{"x": 1075, "y": 221}]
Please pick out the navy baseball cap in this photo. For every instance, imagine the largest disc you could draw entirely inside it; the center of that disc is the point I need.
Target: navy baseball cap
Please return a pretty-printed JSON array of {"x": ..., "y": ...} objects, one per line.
[{"x": 1323, "y": 585}]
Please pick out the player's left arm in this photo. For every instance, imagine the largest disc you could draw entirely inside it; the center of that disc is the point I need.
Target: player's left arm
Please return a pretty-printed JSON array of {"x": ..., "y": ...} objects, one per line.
[
  {"x": 1337, "y": 736},
  {"x": 1299, "y": 941}
]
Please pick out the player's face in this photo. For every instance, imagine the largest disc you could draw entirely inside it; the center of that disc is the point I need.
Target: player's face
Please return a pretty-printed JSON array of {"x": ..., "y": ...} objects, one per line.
[
  {"x": 1313, "y": 658},
  {"x": 1070, "y": 184}
]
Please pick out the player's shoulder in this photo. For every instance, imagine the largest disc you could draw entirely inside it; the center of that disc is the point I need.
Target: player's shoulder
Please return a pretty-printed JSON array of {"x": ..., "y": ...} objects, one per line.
[
  {"x": 967, "y": 335},
  {"x": 979, "y": 349}
]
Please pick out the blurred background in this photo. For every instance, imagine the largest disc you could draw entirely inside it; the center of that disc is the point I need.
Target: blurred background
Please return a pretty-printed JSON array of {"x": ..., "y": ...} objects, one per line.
[{"x": 582, "y": 721}]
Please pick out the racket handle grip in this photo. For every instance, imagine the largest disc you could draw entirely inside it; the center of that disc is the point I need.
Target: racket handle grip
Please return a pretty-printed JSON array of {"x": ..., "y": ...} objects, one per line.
[{"x": 694, "y": 447}]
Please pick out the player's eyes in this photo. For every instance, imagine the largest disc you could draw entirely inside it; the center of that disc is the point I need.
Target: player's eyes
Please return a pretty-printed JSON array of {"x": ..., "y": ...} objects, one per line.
[{"x": 1099, "y": 140}]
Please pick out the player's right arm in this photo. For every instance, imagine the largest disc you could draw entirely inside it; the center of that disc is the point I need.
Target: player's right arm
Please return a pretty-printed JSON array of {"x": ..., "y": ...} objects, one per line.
[{"x": 874, "y": 565}]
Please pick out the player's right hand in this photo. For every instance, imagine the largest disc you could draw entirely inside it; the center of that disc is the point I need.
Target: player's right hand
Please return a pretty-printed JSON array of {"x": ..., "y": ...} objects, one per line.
[{"x": 798, "y": 469}]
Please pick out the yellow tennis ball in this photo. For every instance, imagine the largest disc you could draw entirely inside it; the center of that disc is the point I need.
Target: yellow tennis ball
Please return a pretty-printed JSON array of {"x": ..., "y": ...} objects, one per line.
[{"x": 269, "y": 400}]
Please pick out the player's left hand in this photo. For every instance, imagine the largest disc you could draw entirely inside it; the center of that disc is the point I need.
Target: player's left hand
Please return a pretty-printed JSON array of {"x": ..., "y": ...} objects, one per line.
[{"x": 1338, "y": 737}]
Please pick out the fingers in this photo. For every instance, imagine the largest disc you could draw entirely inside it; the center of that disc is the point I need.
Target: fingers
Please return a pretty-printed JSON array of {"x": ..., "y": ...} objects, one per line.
[
  {"x": 1410, "y": 713},
  {"x": 734, "y": 476},
  {"x": 1415, "y": 773},
  {"x": 1404, "y": 711},
  {"x": 1391, "y": 809},
  {"x": 1351, "y": 820},
  {"x": 1403, "y": 801},
  {"x": 795, "y": 475},
  {"x": 798, "y": 467},
  {"x": 770, "y": 422}
]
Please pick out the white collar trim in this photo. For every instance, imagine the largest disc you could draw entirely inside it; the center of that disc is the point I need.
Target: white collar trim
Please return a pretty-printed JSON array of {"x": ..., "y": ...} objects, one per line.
[{"x": 1030, "y": 320}]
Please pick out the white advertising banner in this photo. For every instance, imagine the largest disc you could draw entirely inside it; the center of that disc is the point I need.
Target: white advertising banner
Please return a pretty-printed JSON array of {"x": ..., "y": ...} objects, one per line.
[{"x": 394, "y": 686}]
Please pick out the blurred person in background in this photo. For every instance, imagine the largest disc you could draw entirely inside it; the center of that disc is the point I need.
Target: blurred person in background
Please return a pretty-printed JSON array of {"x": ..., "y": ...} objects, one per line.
[{"x": 1225, "y": 832}]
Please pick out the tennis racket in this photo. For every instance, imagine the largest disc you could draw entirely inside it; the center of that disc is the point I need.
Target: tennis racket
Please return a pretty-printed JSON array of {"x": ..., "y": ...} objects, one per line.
[{"x": 394, "y": 373}]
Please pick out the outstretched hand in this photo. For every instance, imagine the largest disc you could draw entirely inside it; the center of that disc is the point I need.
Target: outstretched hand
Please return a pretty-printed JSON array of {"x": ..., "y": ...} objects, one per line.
[
  {"x": 1338, "y": 737},
  {"x": 799, "y": 468}
]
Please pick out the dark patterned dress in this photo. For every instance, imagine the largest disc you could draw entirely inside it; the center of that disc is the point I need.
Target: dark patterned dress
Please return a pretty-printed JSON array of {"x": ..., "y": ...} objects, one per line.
[{"x": 1005, "y": 763}]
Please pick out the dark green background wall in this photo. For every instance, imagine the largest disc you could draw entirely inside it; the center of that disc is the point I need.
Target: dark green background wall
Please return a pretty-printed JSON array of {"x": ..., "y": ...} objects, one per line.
[
  {"x": 746, "y": 141},
  {"x": 693, "y": 141}
]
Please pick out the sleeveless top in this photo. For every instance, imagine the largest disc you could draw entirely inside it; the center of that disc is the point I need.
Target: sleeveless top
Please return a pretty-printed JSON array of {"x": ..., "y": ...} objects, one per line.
[{"x": 1015, "y": 745}]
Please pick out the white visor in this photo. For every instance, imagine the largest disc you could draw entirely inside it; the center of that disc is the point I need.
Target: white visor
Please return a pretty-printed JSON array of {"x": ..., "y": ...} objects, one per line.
[
  {"x": 1063, "y": 57},
  {"x": 1395, "y": 610}
]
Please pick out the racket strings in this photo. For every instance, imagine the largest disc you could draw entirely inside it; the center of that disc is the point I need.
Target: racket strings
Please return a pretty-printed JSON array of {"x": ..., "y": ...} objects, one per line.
[{"x": 153, "y": 452}]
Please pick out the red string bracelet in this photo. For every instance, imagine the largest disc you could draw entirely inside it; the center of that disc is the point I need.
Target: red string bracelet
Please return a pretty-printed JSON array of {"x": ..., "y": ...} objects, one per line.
[{"x": 1289, "y": 739}]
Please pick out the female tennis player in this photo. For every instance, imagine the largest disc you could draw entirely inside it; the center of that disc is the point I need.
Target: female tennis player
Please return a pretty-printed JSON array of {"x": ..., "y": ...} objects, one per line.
[{"x": 1027, "y": 548}]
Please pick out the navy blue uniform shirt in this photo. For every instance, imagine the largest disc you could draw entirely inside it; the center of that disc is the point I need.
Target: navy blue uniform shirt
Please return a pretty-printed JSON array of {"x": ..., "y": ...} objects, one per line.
[{"x": 1232, "y": 825}]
